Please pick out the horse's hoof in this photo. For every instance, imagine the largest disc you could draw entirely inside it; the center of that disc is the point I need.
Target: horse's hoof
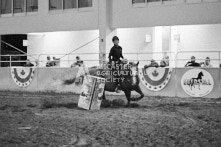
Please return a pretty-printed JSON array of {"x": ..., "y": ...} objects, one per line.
[
  {"x": 134, "y": 105},
  {"x": 127, "y": 106}
]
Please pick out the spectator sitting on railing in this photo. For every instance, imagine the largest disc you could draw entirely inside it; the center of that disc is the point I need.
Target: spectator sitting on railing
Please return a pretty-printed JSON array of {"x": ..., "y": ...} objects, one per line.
[
  {"x": 192, "y": 63},
  {"x": 153, "y": 63},
  {"x": 165, "y": 61},
  {"x": 36, "y": 62},
  {"x": 206, "y": 63},
  {"x": 78, "y": 63},
  {"x": 49, "y": 62},
  {"x": 28, "y": 63},
  {"x": 55, "y": 62}
]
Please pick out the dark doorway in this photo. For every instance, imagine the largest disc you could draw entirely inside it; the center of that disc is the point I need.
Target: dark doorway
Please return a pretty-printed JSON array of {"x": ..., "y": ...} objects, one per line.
[{"x": 7, "y": 48}]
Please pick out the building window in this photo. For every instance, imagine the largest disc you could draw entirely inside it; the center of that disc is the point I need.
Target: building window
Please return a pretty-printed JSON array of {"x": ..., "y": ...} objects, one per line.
[
  {"x": 6, "y": 6},
  {"x": 153, "y": 1},
  {"x": 138, "y": 1},
  {"x": 32, "y": 5},
  {"x": 55, "y": 4},
  {"x": 70, "y": 4},
  {"x": 18, "y": 6},
  {"x": 84, "y": 3}
]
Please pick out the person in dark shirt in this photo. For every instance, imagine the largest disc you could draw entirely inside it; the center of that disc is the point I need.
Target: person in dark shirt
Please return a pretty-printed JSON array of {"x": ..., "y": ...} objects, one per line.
[
  {"x": 192, "y": 63},
  {"x": 28, "y": 63},
  {"x": 49, "y": 63},
  {"x": 115, "y": 56},
  {"x": 78, "y": 63},
  {"x": 116, "y": 51}
]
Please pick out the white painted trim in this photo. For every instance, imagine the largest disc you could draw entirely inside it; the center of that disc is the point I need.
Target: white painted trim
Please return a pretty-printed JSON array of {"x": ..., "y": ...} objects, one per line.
[
  {"x": 19, "y": 14},
  {"x": 85, "y": 9},
  {"x": 31, "y": 13},
  {"x": 173, "y": 2},
  {"x": 139, "y": 5},
  {"x": 154, "y": 3},
  {"x": 7, "y": 15},
  {"x": 193, "y": 1},
  {"x": 59, "y": 11},
  {"x": 70, "y": 10},
  {"x": 211, "y": 1}
]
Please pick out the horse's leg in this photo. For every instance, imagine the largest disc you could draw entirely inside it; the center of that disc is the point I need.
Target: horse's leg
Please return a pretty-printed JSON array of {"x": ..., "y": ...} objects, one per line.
[
  {"x": 104, "y": 97},
  {"x": 138, "y": 90},
  {"x": 128, "y": 94}
]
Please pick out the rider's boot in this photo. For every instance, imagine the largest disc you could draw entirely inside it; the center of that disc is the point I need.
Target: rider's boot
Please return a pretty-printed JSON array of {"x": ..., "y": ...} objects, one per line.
[{"x": 118, "y": 89}]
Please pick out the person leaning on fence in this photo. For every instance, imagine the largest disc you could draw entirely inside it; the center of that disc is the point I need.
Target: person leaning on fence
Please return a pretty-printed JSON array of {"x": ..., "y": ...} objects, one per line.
[
  {"x": 55, "y": 61},
  {"x": 165, "y": 61},
  {"x": 206, "y": 63},
  {"x": 36, "y": 63},
  {"x": 28, "y": 63},
  {"x": 78, "y": 63},
  {"x": 192, "y": 63},
  {"x": 153, "y": 63},
  {"x": 49, "y": 62},
  {"x": 115, "y": 56}
]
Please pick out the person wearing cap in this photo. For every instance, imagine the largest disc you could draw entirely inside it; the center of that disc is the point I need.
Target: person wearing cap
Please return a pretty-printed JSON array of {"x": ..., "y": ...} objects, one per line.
[
  {"x": 115, "y": 56},
  {"x": 165, "y": 61},
  {"x": 206, "y": 63},
  {"x": 192, "y": 63},
  {"x": 28, "y": 63},
  {"x": 116, "y": 51}
]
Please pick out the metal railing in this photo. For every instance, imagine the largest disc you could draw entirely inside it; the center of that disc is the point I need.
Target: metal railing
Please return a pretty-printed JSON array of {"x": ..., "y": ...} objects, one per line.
[{"x": 93, "y": 59}]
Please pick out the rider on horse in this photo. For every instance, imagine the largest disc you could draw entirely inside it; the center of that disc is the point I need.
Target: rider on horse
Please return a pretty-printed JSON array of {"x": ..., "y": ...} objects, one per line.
[{"x": 114, "y": 58}]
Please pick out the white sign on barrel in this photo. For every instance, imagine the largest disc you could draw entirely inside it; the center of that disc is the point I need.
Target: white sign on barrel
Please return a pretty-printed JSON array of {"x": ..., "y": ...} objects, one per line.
[{"x": 91, "y": 93}]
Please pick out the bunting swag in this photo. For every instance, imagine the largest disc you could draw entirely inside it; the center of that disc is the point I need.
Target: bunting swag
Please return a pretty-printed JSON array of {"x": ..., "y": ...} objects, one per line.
[
  {"x": 22, "y": 76},
  {"x": 155, "y": 79}
]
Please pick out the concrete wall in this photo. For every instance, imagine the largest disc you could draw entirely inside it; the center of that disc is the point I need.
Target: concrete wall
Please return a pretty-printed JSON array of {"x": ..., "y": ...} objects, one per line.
[
  {"x": 127, "y": 16},
  {"x": 58, "y": 80},
  {"x": 195, "y": 38},
  {"x": 45, "y": 21},
  {"x": 58, "y": 44}
]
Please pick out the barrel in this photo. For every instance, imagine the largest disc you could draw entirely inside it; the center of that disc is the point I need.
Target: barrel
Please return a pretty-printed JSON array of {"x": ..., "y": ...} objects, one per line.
[{"x": 91, "y": 93}]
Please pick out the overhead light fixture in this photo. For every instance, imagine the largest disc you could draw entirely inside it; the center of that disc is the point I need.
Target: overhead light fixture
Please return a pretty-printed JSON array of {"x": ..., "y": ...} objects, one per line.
[
  {"x": 148, "y": 38},
  {"x": 177, "y": 37}
]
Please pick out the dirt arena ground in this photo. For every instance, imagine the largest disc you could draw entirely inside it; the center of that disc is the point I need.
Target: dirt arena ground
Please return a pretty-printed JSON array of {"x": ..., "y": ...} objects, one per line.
[{"x": 43, "y": 119}]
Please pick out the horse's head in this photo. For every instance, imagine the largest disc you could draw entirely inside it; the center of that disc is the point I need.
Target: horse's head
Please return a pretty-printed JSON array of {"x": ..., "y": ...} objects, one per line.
[
  {"x": 201, "y": 74},
  {"x": 134, "y": 72}
]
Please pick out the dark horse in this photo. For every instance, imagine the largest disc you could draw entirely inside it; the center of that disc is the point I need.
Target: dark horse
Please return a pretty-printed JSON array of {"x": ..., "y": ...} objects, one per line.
[
  {"x": 197, "y": 81},
  {"x": 129, "y": 80}
]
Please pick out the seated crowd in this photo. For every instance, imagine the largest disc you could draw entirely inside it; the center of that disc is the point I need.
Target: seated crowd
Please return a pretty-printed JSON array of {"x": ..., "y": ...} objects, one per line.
[
  {"x": 193, "y": 63},
  {"x": 78, "y": 63},
  {"x": 163, "y": 63}
]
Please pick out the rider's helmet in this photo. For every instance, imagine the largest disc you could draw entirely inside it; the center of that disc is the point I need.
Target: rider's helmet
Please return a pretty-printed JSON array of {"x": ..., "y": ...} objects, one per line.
[{"x": 115, "y": 38}]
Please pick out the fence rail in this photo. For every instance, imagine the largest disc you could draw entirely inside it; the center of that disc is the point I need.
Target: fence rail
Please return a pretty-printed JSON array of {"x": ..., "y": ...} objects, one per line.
[{"x": 92, "y": 59}]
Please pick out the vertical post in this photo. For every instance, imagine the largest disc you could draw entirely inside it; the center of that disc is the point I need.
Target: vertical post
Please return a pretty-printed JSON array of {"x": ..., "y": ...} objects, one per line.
[
  {"x": 10, "y": 60},
  {"x": 43, "y": 6},
  {"x": 0, "y": 50},
  {"x": 12, "y": 8},
  {"x": 25, "y": 6},
  {"x": 102, "y": 22},
  {"x": 69, "y": 60}
]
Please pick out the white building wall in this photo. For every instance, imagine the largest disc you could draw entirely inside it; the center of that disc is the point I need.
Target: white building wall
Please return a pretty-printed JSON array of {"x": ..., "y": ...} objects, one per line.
[
  {"x": 46, "y": 21},
  {"x": 57, "y": 44},
  {"x": 195, "y": 38},
  {"x": 125, "y": 15}
]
